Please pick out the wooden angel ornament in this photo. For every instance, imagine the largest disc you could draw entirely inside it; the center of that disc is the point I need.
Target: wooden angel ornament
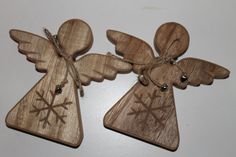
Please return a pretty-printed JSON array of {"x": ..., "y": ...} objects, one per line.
[
  {"x": 147, "y": 111},
  {"x": 51, "y": 108}
]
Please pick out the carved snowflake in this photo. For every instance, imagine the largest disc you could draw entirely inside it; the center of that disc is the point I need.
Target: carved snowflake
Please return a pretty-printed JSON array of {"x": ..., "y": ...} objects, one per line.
[
  {"x": 149, "y": 110},
  {"x": 50, "y": 107}
]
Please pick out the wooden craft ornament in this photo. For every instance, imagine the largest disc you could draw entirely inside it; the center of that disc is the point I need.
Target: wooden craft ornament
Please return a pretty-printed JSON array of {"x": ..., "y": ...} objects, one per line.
[
  {"x": 147, "y": 111},
  {"x": 51, "y": 108}
]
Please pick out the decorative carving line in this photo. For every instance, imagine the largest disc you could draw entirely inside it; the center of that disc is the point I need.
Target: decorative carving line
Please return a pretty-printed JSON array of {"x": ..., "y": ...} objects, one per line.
[
  {"x": 149, "y": 110},
  {"x": 50, "y": 108}
]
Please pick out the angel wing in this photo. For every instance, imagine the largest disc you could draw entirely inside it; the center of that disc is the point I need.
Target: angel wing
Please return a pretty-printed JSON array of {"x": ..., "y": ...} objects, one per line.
[
  {"x": 202, "y": 72},
  {"x": 97, "y": 67},
  {"x": 131, "y": 48},
  {"x": 37, "y": 49}
]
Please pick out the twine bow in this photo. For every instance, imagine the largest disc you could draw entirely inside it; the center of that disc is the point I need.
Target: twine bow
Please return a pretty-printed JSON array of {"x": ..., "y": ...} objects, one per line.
[
  {"x": 145, "y": 73},
  {"x": 70, "y": 68}
]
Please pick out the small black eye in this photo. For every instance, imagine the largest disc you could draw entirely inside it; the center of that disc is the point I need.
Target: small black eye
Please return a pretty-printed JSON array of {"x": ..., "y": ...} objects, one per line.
[{"x": 184, "y": 78}]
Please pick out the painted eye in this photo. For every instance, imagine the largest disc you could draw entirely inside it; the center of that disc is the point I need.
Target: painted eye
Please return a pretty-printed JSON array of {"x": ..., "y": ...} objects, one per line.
[{"x": 184, "y": 78}]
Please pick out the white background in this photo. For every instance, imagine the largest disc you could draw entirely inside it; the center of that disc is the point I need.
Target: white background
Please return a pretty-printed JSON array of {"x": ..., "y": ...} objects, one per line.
[{"x": 206, "y": 114}]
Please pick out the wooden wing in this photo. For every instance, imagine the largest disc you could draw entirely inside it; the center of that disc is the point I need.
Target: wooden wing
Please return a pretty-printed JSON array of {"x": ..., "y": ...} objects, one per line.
[
  {"x": 37, "y": 49},
  {"x": 171, "y": 40},
  {"x": 96, "y": 67},
  {"x": 146, "y": 114},
  {"x": 131, "y": 48},
  {"x": 202, "y": 72}
]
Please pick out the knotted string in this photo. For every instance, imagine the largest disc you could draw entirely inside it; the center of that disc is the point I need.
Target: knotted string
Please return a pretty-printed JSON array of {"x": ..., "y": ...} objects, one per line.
[
  {"x": 70, "y": 68},
  {"x": 146, "y": 71}
]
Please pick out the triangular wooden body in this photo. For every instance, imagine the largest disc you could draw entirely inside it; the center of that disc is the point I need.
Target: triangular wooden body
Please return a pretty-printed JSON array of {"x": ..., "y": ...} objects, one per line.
[
  {"x": 62, "y": 121},
  {"x": 147, "y": 114}
]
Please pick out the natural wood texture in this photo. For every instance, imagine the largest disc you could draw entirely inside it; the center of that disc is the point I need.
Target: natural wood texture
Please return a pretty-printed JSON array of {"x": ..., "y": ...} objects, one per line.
[
  {"x": 50, "y": 112},
  {"x": 164, "y": 37},
  {"x": 96, "y": 67},
  {"x": 147, "y": 114},
  {"x": 126, "y": 46},
  {"x": 202, "y": 72},
  {"x": 147, "y": 111}
]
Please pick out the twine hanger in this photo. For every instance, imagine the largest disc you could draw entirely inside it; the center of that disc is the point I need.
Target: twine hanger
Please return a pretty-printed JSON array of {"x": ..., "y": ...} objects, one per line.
[
  {"x": 146, "y": 71},
  {"x": 70, "y": 68}
]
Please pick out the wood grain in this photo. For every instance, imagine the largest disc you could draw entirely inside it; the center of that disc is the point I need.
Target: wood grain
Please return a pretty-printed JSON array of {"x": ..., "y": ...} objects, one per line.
[
  {"x": 147, "y": 114},
  {"x": 22, "y": 118},
  {"x": 147, "y": 111},
  {"x": 75, "y": 36},
  {"x": 56, "y": 115},
  {"x": 171, "y": 40},
  {"x": 97, "y": 67},
  {"x": 131, "y": 48},
  {"x": 202, "y": 72}
]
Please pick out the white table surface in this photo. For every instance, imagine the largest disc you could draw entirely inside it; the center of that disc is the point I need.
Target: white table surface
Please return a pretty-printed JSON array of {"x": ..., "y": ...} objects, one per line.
[{"x": 206, "y": 115}]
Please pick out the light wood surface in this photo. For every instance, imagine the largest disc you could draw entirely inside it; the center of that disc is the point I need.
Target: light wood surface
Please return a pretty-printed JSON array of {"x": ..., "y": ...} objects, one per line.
[
  {"x": 45, "y": 112},
  {"x": 147, "y": 114},
  {"x": 147, "y": 111}
]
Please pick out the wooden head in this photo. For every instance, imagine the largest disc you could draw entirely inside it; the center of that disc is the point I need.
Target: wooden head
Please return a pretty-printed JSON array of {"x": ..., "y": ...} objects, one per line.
[
  {"x": 171, "y": 40},
  {"x": 75, "y": 37}
]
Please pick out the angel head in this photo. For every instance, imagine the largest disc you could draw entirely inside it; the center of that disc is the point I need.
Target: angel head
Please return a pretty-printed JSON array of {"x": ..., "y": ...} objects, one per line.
[
  {"x": 171, "y": 41},
  {"x": 74, "y": 37}
]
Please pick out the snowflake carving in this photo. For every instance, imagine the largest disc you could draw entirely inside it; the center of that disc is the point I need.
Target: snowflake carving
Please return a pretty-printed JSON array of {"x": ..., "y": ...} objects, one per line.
[
  {"x": 149, "y": 110},
  {"x": 50, "y": 107}
]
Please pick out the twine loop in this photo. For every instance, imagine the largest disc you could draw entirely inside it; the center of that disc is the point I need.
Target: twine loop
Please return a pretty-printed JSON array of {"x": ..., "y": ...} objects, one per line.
[{"x": 70, "y": 67}]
